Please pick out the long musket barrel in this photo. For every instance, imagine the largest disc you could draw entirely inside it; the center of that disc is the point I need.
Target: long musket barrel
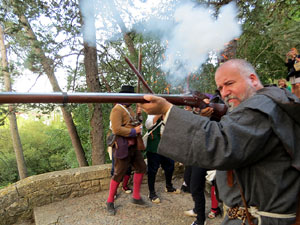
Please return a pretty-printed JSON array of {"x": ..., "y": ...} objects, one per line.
[{"x": 90, "y": 97}]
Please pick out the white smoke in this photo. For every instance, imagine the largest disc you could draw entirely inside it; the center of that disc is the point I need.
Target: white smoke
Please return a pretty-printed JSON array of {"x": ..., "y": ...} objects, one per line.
[
  {"x": 192, "y": 31},
  {"x": 89, "y": 27},
  {"x": 196, "y": 34}
]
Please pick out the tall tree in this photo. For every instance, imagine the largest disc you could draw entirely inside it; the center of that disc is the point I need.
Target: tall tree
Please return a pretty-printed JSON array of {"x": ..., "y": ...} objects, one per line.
[
  {"x": 49, "y": 68},
  {"x": 92, "y": 81},
  {"x": 270, "y": 29},
  {"x": 12, "y": 116}
]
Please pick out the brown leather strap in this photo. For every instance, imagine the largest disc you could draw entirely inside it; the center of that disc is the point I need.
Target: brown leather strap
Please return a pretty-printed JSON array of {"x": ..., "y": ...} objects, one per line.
[
  {"x": 230, "y": 178},
  {"x": 297, "y": 222},
  {"x": 244, "y": 200},
  {"x": 230, "y": 184}
]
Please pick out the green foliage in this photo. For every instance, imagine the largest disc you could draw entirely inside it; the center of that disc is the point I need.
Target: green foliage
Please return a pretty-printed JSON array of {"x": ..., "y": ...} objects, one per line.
[
  {"x": 46, "y": 146},
  {"x": 106, "y": 109},
  {"x": 3, "y": 115},
  {"x": 8, "y": 167},
  {"x": 81, "y": 119},
  {"x": 270, "y": 29}
]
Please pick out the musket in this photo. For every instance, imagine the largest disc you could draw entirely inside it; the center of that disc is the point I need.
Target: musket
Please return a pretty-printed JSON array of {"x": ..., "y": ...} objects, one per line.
[
  {"x": 139, "y": 69},
  {"x": 195, "y": 100},
  {"x": 139, "y": 75}
]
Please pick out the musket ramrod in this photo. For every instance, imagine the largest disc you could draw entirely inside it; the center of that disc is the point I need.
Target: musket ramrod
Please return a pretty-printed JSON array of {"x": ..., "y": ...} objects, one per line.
[{"x": 92, "y": 97}]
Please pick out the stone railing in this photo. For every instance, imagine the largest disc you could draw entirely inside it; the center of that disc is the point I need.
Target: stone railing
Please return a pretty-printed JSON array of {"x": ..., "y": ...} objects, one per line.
[{"x": 18, "y": 200}]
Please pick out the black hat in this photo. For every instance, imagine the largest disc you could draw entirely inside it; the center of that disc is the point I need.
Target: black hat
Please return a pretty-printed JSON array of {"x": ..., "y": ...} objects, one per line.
[{"x": 127, "y": 89}]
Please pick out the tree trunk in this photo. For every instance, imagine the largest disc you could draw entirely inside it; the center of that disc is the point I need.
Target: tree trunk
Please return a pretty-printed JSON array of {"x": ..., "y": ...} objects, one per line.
[
  {"x": 17, "y": 143},
  {"x": 92, "y": 80},
  {"x": 48, "y": 67},
  {"x": 130, "y": 45},
  {"x": 93, "y": 84},
  {"x": 12, "y": 116}
]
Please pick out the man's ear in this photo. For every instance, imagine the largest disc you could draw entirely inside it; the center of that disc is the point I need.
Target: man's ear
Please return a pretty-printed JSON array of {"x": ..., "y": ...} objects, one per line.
[{"x": 254, "y": 80}]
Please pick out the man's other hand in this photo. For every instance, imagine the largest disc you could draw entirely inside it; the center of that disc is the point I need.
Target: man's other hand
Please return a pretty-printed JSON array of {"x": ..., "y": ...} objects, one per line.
[
  {"x": 208, "y": 111},
  {"x": 156, "y": 105}
]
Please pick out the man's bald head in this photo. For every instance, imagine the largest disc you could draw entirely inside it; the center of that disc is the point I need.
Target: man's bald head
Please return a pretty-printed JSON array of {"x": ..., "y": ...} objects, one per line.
[
  {"x": 244, "y": 67},
  {"x": 237, "y": 81}
]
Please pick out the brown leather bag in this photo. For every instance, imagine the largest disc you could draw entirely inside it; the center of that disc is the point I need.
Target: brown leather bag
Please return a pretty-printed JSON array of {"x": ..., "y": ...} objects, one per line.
[{"x": 140, "y": 143}]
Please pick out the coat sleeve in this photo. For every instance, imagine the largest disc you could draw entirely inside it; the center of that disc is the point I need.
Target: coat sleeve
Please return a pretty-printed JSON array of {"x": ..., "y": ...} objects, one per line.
[
  {"x": 118, "y": 122},
  {"x": 236, "y": 141}
]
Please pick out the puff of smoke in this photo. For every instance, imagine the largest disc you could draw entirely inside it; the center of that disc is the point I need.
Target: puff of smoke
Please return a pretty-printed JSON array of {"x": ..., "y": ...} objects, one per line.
[
  {"x": 193, "y": 32},
  {"x": 196, "y": 33},
  {"x": 88, "y": 28}
]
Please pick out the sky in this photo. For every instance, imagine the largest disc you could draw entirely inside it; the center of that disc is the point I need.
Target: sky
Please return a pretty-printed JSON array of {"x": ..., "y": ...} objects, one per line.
[{"x": 29, "y": 83}]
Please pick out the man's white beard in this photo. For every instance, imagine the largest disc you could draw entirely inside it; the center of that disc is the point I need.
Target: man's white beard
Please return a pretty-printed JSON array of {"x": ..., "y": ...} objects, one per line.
[
  {"x": 230, "y": 106},
  {"x": 248, "y": 94}
]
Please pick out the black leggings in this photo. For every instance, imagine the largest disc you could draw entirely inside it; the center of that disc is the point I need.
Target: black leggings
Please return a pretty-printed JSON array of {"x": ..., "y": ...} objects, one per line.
[
  {"x": 154, "y": 162},
  {"x": 197, "y": 186}
]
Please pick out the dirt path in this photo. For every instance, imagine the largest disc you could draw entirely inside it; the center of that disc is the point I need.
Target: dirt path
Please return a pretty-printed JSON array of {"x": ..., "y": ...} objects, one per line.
[{"x": 91, "y": 210}]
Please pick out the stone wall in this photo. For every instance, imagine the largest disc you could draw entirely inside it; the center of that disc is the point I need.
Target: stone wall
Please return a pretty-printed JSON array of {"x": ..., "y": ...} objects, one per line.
[{"x": 18, "y": 200}]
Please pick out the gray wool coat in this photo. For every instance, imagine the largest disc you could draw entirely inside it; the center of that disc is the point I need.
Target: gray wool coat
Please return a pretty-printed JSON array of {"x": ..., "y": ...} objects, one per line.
[{"x": 260, "y": 139}]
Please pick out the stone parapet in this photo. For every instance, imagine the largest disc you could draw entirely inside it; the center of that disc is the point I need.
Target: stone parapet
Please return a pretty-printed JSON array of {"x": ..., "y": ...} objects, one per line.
[{"x": 18, "y": 200}]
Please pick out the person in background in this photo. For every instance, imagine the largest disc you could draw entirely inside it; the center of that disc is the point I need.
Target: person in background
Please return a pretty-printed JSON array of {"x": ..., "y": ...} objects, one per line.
[
  {"x": 125, "y": 151},
  {"x": 256, "y": 154},
  {"x": 155, "y": 126},
  {"x": 185, "y": 187},
  {"x": 215, "y": 209},
  {"x": 282, "y": 83},
  {"x": 197, "y": 183},
  {"x": 293, "y": 57}
]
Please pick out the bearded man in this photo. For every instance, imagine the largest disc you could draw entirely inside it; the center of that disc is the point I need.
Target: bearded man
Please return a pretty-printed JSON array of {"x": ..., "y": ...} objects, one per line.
[{"x": 258, "y": 139}]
